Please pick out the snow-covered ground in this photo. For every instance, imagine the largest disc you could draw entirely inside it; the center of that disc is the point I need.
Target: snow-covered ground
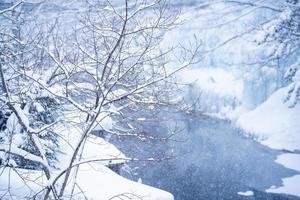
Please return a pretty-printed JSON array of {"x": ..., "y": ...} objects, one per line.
[
  {"x": 277, "y": 126},
  {"x": 101, "y": 183},
  {"x": 93, "y": 181}
]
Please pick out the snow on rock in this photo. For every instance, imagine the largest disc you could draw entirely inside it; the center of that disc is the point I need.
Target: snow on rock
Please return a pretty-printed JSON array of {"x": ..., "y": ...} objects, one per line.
[
  {"x": 247, "y": 193},
  {"x": 290, "y": 184},
  {"x": 276, "y": 125}
]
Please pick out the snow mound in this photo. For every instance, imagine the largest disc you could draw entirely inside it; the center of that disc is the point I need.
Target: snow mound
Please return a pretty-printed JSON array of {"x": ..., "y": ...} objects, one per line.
[
  {"x": 275, "y": 124},
  {"x": 101, "y": 183},
  {"x": 94, "y": 182},
  {"x": 21, "y": 183}
]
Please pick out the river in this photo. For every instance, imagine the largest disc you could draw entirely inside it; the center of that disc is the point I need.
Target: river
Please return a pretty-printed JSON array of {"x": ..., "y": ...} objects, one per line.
[{"x": 213, "y": 160}]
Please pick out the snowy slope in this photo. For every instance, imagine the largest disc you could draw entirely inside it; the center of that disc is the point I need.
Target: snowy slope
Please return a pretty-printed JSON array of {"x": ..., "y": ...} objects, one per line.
[
  {"x": 95, "y": 182},
  {"x": 278, "y": 127},
  {"x": 94, "y": 179},
  {"x": 101, "y": 183}
]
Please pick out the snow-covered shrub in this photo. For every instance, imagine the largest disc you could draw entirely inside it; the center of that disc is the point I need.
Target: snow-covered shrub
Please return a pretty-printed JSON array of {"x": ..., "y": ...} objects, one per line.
[{"x": 38, "y": 114}]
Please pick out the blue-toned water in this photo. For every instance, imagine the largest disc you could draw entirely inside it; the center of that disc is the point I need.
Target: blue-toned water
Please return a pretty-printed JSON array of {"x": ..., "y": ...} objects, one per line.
[{"x": 213, "y": 161}]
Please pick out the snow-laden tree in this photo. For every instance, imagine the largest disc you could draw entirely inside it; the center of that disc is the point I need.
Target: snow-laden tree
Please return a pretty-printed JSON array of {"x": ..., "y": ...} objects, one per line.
[
  {"x": 86, "y": 70},
  {"x": 271, "y": 30},
  {"x": 275, "y": 29},
  {"x": 284, "y": 32},
  {"x": 19, "y": 94}
]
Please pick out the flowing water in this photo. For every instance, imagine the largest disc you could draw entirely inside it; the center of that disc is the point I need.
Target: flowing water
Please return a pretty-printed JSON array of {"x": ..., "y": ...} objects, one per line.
[{"x": 213, "y": 160}]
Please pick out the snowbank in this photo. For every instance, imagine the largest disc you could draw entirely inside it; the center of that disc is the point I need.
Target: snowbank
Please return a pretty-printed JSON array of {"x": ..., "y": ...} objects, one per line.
[
  {"x": 290, "y": 184},
  {"x": 101, "y": 183},
  {"x": 94, "y": 181},
  {"x": 278, "y": 127},
  {"x": 96, "y": 147},
  {"x": 275, "y": 124}
]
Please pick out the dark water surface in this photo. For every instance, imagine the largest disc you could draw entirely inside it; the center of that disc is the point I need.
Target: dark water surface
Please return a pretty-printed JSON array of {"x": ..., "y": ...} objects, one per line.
[{"x": 213, "y": 161}]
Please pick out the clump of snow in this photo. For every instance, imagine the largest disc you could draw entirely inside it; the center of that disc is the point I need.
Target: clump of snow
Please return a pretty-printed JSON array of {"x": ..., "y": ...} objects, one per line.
[
  {"x": 277, "y": 125},
  {"x": 247, "y": 193},
  {"x": 38, "y": 107}
]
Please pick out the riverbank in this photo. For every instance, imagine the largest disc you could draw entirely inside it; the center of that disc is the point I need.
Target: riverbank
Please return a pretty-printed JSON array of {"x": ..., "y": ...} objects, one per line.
[{"x": 277, "y": 126}]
